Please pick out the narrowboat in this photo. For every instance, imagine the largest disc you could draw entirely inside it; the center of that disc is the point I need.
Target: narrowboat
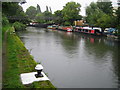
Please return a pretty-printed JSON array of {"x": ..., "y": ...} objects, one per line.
[
  {"x": 52, "y": 27},
  {"x": 67, "y": 29},
  {"x": 89, "y": 30},
  {"x": 111, "y": 32}
]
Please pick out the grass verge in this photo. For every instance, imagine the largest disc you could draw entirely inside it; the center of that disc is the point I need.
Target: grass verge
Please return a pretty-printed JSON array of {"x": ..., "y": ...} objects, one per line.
[{"x": 19, "y": 61}]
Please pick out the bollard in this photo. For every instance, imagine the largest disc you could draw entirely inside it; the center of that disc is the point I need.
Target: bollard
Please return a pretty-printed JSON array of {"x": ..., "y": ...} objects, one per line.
[{"x": 39, "y": 69}]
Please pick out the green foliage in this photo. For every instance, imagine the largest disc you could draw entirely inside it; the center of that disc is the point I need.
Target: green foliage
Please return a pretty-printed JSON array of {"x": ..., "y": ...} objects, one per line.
[
  {"x": 100, "y": 14},
  {"x": 46, "y": 13},
  {"x": 93, "y": 15},
  {"x": 71, "y": 11},
  {"x": 5, "y": 21},
  {"x": 19, "y": 26},
  {"x": 19, "y": 61},
  {"x": 31, "y": 12},
  {"x": 118, "y": 19},
  {"x": 47, "y": 16},
  {"x": 47, "y": 10},
  {"x": 106, "y": 7},
  {"x": 67, "y": 16},
  {"x": 43, "y": 85},
  {"x": 104, "y": 21},
  {"x": 91, "y": 8},
  {"x": 4, "y": 29},
  {"x": 38, "y": 9},
  {"x": 50, "y": 9},
  {"x": 58, "y": 13},
  {"x": 58, "y": 17},
  {"x": 67, "y": 23},
  {"x": 40, "y": 18},
  {"x": 12, "y": 9}
]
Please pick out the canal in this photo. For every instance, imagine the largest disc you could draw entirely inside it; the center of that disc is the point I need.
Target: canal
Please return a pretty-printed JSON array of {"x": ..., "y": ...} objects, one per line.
[{"x": 74, "y": 60}]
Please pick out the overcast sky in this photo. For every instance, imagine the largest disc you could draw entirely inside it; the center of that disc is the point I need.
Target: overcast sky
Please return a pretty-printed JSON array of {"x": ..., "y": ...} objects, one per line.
[{"x": 58, "y": 4}]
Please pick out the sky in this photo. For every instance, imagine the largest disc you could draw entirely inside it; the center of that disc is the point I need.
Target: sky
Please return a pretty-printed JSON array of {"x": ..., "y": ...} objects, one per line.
[{"x": 58, "y": 4}]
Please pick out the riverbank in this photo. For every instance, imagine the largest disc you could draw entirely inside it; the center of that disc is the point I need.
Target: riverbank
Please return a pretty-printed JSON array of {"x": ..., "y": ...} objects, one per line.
[{"x": 18, "y": 60}]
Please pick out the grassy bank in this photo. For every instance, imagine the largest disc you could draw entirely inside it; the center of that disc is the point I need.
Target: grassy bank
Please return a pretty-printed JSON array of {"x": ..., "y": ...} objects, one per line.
[{"x": 19, "y": 61}]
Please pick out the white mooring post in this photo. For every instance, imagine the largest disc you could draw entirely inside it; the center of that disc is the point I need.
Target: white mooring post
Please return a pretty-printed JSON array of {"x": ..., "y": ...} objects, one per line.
[
  {"x": 39, "y": 69},
  {"x": 28, "y": 78}
]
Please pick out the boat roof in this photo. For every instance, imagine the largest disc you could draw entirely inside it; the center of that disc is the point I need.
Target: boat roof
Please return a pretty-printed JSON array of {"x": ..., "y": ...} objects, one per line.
[{"x": 87, "y": 28}]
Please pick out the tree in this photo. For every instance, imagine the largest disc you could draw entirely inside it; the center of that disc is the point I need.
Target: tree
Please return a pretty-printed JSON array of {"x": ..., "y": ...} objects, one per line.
[
  {"x": 38, "y": 9},
  {"x": 47, "y": 16},
  {"x": 40, "y": 18},
  {"x": 91, "y": 8},
  {"x": 70, "y": 12},
  {"x": 31, "y": 12},
  {"x": 58, "y": 17},
  {"x": 96, "y": 16},
  {"x": 9, "y": 8},
  {"x": 12, "y": 9},
  {"x": 118, "y": 18},
  {"x": 105, "y": 6},
  {"x": 5, "y": 21},
  {"x": 104, "y": 21},
  {"x": 58, "y": 13},
  {"x": 47, "y": 9},
  {"x": 93, "y": 13},
  {"x": 50, "y": 9}
]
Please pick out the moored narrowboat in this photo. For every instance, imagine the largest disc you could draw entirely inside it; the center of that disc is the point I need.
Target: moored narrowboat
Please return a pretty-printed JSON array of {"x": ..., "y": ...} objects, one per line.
[
  {"x": 89, "y": 30},
  {"x": 67, "y": 29},
  {"x": 52, "y": 27}
]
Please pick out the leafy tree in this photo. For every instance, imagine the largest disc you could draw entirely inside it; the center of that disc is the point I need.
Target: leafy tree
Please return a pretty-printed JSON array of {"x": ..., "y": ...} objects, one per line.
[
  {"x": 118, "y": 18},
  {"x": 91, "y": 8},
  {"x": 93, "y": 18},
  {"x": 5, "y": 21},
  {"x": 50, "y": 9},
  {"x": 96, "y": 16},
  {"x": 12, "y": 9},
  {"x": 58, "y": 17},
  {"x": 40, "y": 18},
  {"x": 47, "y": 16},
  {"x": 104, "y": 21},
  {"x": 105, "y": 6},
  {"x": 93, "y": 13},
  {"x": 38, "y": 9},
  {"x": 70, "y": 12},
  {"x": 19, "y": 26},
  {"x": 47, "y": 9},
  {"x": 31, "y": 12},
  {"x": 9, "y": 8},
  {"x": 58, "y": 13}
]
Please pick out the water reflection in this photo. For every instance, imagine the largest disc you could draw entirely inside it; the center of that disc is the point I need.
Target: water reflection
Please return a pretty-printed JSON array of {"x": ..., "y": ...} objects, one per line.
[
  {"x": 70, "y": 43},
  {"x": 74, "y": 60}
]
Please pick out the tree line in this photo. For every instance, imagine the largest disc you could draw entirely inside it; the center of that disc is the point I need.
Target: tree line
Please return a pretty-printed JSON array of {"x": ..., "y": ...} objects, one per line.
[
  {"x": 100, "y": 13},
  {"x": 103, "y": 14},
  {"x": 13, "y": 15},
  {"x": 66, "y": 16}
]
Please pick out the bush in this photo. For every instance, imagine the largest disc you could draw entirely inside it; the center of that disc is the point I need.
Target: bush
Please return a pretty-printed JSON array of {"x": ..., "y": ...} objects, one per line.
[
  {"x": 67, "y": 23},
  {"x": 19, "y": 26},
  {"x": 5, "y": 21}
]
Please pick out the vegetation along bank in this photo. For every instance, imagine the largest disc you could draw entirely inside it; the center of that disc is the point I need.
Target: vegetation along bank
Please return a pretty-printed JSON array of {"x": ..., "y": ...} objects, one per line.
[
  {"x": 18, "y": 60},
  {"x": 15, "y": 57}
]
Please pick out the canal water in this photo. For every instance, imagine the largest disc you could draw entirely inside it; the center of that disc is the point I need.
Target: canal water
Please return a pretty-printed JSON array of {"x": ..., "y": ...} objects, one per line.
[{"x": 74, "y": 60}]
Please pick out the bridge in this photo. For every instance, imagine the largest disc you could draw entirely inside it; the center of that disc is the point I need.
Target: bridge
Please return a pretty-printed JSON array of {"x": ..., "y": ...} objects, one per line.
[{"x": 18, "y": 18}]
